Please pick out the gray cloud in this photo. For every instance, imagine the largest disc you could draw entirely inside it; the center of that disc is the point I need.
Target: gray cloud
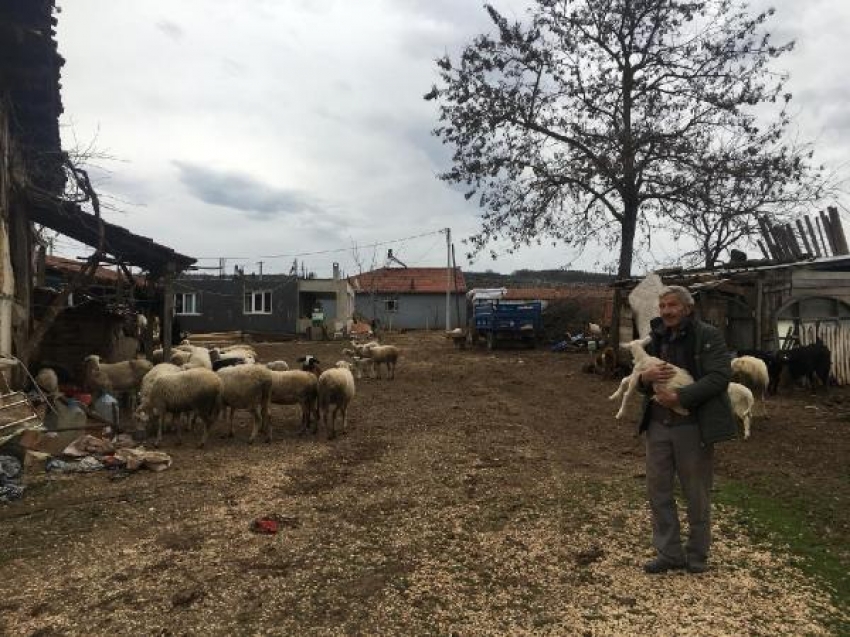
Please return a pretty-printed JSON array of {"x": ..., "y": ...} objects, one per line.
[
  {"x": 243, "y": 192},
  {"x": 171, "y": 29}
]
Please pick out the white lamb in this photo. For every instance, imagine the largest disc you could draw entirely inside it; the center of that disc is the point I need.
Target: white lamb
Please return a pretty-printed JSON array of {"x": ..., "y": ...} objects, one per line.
[
  {"x": 643, "y": 361},
  {"x": 278, "y": 366},
  {"x": 192, "y": 391},
  {"x": 336, "y": 387},
  {"x": 752, "y": 372},
  {"x": 199, "y": 357},
  {"x": 742, "y": 404}
]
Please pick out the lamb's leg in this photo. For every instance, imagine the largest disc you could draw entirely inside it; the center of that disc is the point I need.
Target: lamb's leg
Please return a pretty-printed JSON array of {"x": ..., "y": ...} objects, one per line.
[
  {"x": 632, "y": 386},
  {"x": 620, "y": 389},
  {"x": 747, "y": 419},
  {"x": 344, "y": 410},
  {"x": 232, "y": 433}
]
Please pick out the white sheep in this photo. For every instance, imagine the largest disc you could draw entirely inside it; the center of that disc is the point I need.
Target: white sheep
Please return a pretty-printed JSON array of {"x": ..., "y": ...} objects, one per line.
[
  {"x": 278, "y": 366},
  {"x": 198, "y": 357},
  {"x": 295, "y": 387},
  {"x": 643, "y": 361},
  {"x": 247, "y": 387},
  {"x": 161, "y": 369},
  {"x": 387, "y": 354},
  {"x": 752, "y": 372},
  {"x": 336, "y": 387},
  {"x": 125, "y": 376},
  {"x": 192, "y": 391},
  {"x": 742, "y": 404}
]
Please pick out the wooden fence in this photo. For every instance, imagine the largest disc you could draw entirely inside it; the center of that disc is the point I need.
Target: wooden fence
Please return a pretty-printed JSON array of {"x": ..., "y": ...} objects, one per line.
[{"x": 836, "y": 337}]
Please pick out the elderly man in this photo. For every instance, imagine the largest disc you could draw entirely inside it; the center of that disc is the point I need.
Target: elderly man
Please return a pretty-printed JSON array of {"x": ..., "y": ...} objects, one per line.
[{"x": 678, "y": 445}]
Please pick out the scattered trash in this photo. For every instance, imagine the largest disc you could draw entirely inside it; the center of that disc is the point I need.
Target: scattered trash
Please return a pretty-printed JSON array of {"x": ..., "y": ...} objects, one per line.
[
  {"x": 10, "y": 472},
  {"x": 10, "y": 467},
  {"x": 85, "y": 465},
  {"x": 271, "y": 524},
  {"x": 88, "y": 446}
]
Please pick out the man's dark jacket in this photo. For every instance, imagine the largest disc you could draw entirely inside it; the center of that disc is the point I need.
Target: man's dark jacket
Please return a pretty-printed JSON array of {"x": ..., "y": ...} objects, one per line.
[{"x": 706, "y": 398}]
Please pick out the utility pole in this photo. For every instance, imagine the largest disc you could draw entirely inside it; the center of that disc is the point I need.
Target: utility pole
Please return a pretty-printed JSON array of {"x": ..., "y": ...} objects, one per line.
[
  {"x": 260, "y": 263},
  {"x": 448, "y": 279}
]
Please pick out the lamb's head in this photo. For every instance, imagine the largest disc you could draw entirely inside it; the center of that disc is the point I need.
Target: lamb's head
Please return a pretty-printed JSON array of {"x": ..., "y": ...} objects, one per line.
[{"x": 92, "y": 361}]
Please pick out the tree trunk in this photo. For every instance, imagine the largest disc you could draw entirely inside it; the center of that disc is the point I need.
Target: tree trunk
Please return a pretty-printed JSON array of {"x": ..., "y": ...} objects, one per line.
[{"x": 629, "y": 228}]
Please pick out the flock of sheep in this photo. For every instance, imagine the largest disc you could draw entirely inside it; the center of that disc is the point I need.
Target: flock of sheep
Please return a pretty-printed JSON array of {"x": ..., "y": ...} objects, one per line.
[{"x": 202, "y": 384}]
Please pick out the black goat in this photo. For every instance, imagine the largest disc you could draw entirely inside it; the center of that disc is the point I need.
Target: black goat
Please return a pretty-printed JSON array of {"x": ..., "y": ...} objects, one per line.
[{"x": 809, "y": 361}]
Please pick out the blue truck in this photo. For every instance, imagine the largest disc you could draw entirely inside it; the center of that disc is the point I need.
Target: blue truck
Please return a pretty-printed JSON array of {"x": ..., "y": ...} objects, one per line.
[{"x": 494, "y": 320}]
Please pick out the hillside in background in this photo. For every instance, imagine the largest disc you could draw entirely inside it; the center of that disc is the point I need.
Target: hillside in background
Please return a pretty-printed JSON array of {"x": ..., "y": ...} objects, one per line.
[{"x": 534, "y": 278}]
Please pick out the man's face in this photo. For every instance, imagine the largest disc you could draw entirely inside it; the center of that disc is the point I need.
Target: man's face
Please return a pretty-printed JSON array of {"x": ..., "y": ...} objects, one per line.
[{"x": 672, "y": 310}]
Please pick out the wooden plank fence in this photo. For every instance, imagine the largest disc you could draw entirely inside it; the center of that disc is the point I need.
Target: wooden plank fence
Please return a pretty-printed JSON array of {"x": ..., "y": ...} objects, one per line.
[{"x": 837, "y": 338}]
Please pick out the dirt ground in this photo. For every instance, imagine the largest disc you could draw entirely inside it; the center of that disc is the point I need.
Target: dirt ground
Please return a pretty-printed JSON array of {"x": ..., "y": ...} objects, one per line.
[{"x": 478, "y": 493}]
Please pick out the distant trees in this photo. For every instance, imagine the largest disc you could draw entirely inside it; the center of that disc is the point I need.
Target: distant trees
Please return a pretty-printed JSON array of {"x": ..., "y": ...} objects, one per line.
[{"x": 612, "y": 119}]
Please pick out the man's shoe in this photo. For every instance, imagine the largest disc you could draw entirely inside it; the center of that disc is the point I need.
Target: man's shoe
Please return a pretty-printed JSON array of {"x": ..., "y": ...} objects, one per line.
[
  {"x": 696, "y": 567},
  {"x": 662, "y": 565}
]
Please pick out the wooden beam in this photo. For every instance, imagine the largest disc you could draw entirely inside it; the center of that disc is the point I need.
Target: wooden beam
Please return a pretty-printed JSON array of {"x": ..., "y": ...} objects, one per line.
[
  {"x": 804, "y": 238},
  {"x": 764, "y": 225},
  {"x": 792, "y": 241},
  {"x": 814, "y": 236},
  {"x": 763, "y": 248},
  {"x": 822, "y": 235},
  {"x": 827, "y": 231},
  {"x": 837, "y": 230}
]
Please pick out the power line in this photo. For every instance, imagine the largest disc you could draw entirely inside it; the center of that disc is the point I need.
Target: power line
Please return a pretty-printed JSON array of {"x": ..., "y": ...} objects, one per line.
[{"x": 334, "y": 250}]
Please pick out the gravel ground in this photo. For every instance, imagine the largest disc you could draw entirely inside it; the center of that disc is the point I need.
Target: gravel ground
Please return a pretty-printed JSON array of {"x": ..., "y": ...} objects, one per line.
[{"x": 477, "y": 494}]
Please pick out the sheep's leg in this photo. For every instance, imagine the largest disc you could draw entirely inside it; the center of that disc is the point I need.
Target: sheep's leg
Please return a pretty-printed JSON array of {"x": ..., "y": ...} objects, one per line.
[
  {"x": 232, "y": 433},
  {"x": 329, "y": 428},
  {"x": 255, "y": 413},
  {"x": 178, "y": 424},
  {"x": 747, "y": 419},
  {"x": 391, "y": 368},
  {"x": 378, "y": 370},
  {"x": 158, "y": 440},
  {"x": 204, "y": 432},
  {"x": 344, "y": 410}
]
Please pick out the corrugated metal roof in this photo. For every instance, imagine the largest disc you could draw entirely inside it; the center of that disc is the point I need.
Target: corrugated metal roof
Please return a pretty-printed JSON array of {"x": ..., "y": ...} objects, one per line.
[{"x": 408, "y": 281}]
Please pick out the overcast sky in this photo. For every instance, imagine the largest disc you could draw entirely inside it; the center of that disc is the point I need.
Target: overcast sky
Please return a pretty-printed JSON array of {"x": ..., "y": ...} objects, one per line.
[{"x": 254, "y": 129}]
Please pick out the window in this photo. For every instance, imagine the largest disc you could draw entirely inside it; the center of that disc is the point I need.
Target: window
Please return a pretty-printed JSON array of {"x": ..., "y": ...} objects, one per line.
[
  {"x": 258, "y": 302},
  {"x": 391, "y": 305},
  {"x": 186, "y": 303}
]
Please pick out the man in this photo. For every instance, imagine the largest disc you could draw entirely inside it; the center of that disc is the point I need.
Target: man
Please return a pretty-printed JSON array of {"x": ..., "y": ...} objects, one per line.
[{"x": 678, "y": 445}]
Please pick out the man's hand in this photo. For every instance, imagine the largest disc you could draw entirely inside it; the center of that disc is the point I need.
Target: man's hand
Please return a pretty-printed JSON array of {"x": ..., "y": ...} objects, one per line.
[
  {"x": 660, "y": 373},
  {"x": 667, "y": 397}
]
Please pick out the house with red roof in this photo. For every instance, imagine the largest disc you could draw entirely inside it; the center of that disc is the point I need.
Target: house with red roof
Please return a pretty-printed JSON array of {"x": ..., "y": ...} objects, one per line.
[{"x": 411, "y": 298}]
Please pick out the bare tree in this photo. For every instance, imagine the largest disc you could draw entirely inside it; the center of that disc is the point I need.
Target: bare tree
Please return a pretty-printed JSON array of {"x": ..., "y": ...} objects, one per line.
[{"x": 608, "y": 119}]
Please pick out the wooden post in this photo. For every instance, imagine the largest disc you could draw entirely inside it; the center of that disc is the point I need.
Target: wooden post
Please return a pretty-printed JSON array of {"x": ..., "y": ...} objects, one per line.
[
  {"x": 167, "y": 310},
  {"x": 814, "y": 236},
  {"x": 759, "y": 310},
  {"x": 763, "y": 249}
]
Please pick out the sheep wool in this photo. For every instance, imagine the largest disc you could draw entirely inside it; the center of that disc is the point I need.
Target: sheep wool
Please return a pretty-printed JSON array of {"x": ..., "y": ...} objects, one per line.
[{"x": 336, "y": 388}]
